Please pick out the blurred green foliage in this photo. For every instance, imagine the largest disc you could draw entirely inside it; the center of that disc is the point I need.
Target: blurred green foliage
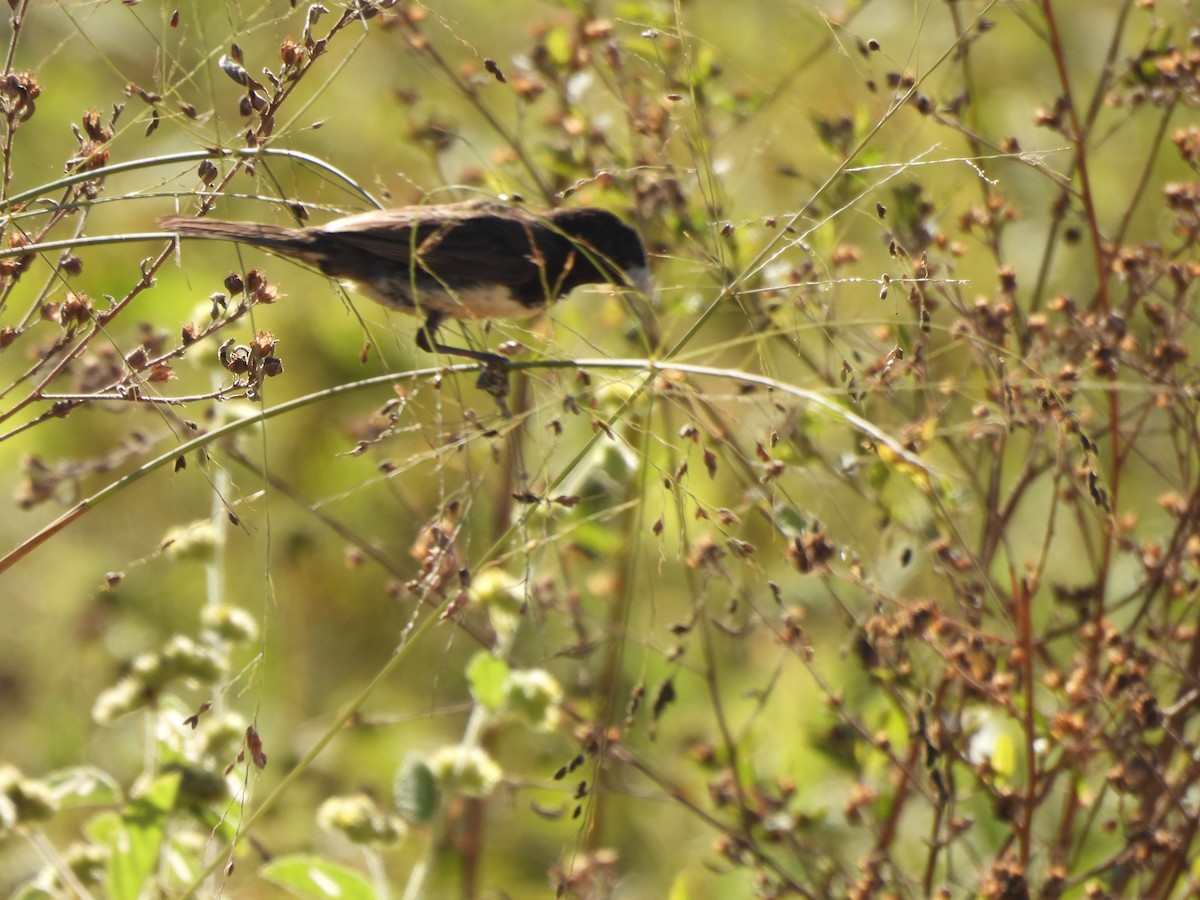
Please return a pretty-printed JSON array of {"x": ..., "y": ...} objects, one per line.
[{"x": 671, "y": 631}]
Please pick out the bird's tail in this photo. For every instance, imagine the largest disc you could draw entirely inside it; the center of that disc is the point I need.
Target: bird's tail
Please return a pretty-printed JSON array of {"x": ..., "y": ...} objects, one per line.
[{"x": 288, "y": 241}]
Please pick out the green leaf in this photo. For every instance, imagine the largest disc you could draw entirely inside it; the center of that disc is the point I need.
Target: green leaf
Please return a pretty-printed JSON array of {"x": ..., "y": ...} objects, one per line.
[
  {"x": 487, "y": 676},
  {"x": 644, "y": 13},
  {"x": 135, "y": 839},
  {"x": 559, "y": 46},
  {"x": 878, "y": 475},
  {"x": 416, "y": 792},
  {"x": 312, "y": 876},
  {"x": 838, "y": 744},
  {"x": 1004, "y": 756},
  {"x": 103, "y": 828},
  {"x": 679, "y": 889},
  {"x": 601, "y": 539},
  {"x": 791, "y": 521}
]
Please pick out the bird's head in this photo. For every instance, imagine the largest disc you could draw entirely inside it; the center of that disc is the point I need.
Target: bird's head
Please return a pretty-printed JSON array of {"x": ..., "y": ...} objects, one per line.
[{"x": 609, "y": 251}]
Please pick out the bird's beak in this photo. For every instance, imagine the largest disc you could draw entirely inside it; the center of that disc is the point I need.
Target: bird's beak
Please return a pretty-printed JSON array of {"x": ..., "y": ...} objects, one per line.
[{"x": 639, "y": 279}]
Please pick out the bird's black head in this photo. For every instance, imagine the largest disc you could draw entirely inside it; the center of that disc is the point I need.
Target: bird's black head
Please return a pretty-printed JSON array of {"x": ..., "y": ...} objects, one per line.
[{"x": 607, "y": 250}]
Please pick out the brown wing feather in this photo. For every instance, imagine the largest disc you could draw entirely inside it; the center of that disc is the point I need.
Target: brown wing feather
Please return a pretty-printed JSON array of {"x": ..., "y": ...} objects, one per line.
[{"x": 473, "y": 242}]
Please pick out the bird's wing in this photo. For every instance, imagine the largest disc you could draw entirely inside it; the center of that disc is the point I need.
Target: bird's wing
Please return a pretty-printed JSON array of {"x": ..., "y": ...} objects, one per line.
[{"x": 476, "y": 242}]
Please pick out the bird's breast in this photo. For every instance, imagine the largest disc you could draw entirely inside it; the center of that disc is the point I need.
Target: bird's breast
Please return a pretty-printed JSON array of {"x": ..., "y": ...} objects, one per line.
[{"x": 476, "y": 301}]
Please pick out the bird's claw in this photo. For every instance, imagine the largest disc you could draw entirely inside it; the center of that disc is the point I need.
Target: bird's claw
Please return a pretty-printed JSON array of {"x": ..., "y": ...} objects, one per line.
[{"x": 494, "y": 380}]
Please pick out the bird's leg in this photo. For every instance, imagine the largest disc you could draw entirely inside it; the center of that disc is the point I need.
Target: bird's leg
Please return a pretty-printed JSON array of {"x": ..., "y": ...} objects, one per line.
[
  {"x": 430, "y": 344},
  {"x": 494, "y": 378}
]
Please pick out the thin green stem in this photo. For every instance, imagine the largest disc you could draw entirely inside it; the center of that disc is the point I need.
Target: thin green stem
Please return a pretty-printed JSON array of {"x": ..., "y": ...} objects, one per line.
[{"x": 650, "y": 367}]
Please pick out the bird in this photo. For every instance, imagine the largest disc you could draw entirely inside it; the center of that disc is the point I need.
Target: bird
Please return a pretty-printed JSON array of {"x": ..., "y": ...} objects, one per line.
[{"x": 479, "y": 259}]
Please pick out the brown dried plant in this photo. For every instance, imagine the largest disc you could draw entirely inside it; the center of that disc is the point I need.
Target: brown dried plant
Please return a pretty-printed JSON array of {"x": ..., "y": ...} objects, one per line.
[{"x": 857, "y": 560}]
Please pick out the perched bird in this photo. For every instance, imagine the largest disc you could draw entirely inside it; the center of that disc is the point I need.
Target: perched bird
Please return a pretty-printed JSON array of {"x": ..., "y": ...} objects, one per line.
[{"x": 475, "y": 260}]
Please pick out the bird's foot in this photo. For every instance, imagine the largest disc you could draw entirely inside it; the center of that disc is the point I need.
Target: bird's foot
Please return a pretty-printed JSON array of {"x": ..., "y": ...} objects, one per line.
[{"x": 493, "y": 380}]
